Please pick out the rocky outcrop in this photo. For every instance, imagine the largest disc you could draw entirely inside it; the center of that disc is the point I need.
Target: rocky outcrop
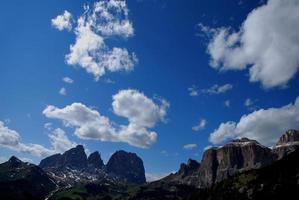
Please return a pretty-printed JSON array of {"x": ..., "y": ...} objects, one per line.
[
  {"x": 127, "y": 166},
  {"x": 219, "y": 163},
  {"x": 74, "y": 158},
  {"x": 21, "y": 180},
  {"x": 287, "y": 143},
  {"x": 73, "y": 166},
  {"x": 95, "y": 161},
  {"x": 187, "y": 169},
  {"x": 52, "y": 161},
  {"x": 236, "y": 156}
]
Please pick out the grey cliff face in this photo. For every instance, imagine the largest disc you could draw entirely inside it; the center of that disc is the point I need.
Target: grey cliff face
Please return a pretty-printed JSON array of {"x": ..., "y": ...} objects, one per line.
[
  {"x": 287, "y": 143},
  {"x": 127, "y": 166},
  {"x": 219, "y": 163}
]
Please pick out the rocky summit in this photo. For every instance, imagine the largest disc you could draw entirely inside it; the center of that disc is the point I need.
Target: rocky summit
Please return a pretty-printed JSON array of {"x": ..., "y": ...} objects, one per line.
[
  {"x": 74, "y": 158},
  {"x": 127, "y": 166},
  {"x": 287, "y": 143},
  {"x": 95, "y": 160},
  {"x": 21, "y": 180}
]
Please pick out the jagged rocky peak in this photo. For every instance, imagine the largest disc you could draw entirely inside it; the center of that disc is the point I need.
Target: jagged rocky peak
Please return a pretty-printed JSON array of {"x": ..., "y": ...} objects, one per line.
[
  {"x": 188, "y": 168},
  {"x": 126, "y": 166},
  {"x": 51, "y": 161},
  {"x": 14, "y": 162},
  {"x": 287, "y": 143},
  {"x": 289, "y": 137},
  {"x": 95, "y": 160},
  {"x": 75, "y": 158}
]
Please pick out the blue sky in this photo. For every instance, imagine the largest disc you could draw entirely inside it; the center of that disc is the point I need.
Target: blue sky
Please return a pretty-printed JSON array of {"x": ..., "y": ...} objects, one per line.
[{"x": 171, "y": 41}]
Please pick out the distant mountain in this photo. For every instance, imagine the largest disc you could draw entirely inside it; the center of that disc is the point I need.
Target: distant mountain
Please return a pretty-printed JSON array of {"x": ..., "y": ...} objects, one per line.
[
  {"x": 74, "y": 158},
  {"x": 20, "y": 180},
  {"x": 73, "y": 167},
  {"x": 127, "y": 166}
]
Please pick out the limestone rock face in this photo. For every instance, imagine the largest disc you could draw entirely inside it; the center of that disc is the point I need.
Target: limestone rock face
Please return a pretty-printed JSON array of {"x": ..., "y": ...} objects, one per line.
[
  {"x": 127, "y": 166},
  {"x": 287, "y": 143},
  {"x": 219, "y": 163}
]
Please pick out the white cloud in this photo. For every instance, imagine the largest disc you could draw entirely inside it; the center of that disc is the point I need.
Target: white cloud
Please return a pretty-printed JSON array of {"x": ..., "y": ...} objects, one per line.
[
  {"x": 48, "y": 126},
  {"x": 193, "y": 91},
  {"x": 12, "y": 140},
  {"x": 62, "y": 91},
  {"x": 138, "y": 108},
  {"x": 60, "y": 142},
  {"x": 218, "y": 89},
  {"x": 63, "y": 21},
  {"x": 200, "y": 126},
  {"x": 89, "y": 123},
  {"x": 90, "y": 51},
  {"x": 264, "y": 125},
  {"x": 141, "y": 112},
  {"x": 190, "y": 146},
  {"x": 267, "y": 43},
  {"x": 227, "y": 103},
  {"x": 67, "y": 79}
]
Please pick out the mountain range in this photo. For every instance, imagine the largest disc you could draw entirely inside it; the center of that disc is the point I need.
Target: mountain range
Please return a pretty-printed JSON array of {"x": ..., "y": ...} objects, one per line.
[{"x": 240, "y": 169}]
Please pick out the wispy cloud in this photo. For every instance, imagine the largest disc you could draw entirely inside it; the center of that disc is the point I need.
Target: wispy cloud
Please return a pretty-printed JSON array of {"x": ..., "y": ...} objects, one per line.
[
  {"x": 190, "y": 146},
  {"x": 200, "y": 126}
]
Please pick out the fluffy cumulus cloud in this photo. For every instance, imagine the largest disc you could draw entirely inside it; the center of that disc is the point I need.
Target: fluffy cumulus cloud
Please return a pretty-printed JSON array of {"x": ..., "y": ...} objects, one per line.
[
  {"x": 200, "y": 126},
  {"x": 141, "y": 112},
  {"x": 267, "y": 43},
  {"x": 99, "y": 22},
  {"x": 264, "y": 125},
  {"x": 63, "y": 21},
  {"x": 218, "y": 89}
]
